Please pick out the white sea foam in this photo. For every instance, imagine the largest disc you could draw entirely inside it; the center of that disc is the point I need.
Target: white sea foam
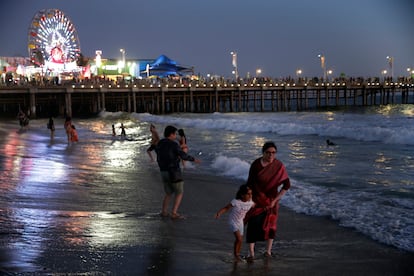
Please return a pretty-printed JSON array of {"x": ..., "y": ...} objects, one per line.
[
  {"x": 387, "y": 222},
  {"x": 362, "y": 127},
  {"x": 231, "y": 166}
]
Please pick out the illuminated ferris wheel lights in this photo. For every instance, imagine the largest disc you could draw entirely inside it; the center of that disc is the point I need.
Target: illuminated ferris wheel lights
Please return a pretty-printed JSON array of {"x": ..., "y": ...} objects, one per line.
[{"x": 52, "y": 38}]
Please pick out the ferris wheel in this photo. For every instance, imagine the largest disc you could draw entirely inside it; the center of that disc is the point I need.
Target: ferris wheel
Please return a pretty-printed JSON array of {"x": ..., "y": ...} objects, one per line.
[{"x": 52, "y": 38}]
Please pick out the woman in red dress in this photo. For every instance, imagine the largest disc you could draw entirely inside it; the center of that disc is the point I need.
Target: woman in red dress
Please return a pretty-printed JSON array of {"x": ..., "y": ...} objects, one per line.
[{"x": 269, "y": 182}]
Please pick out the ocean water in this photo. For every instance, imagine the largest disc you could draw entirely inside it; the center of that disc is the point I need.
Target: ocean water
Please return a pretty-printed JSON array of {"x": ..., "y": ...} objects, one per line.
[{"x": 365, "y": 181}]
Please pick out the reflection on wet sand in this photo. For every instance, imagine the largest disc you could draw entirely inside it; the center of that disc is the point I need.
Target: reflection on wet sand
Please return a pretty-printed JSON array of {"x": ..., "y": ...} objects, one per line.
[{"x": 72, "y": 202}]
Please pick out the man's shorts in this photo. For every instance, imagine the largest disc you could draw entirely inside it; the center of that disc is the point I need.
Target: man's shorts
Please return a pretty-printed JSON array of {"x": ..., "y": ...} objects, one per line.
[{"x": 170, "y": 188}]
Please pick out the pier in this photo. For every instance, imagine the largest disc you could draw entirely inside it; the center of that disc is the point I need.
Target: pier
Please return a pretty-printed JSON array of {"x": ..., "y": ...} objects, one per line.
[{"x": 84, "y": 99}]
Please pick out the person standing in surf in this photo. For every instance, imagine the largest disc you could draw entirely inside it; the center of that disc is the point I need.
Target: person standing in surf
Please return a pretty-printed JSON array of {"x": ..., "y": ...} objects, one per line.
[
  {"x": 51, "y": 127},
  {"x": 269, "y": 182},
  {"x": 68, "y": 128},
  {"x": 169, "y": 156},
  {"x": 74, "y": 134},
  {"x": 122, "y": 127},
  {"x": 155, "y": 138},
  {"x": 183, "y": 143}
]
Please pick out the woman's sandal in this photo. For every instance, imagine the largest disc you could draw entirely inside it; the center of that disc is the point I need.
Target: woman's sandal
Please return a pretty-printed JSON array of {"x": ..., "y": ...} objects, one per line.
[
  {"x": 267, "y": 255},
  {"x": 177, "y": 216},
  {"x": 164, "y": 215},
  {"x": 239, "y": 259}
]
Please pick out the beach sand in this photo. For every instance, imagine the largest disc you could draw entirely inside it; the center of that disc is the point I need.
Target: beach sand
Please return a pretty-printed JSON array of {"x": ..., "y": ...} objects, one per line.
[{"x": 202, "y": 245}]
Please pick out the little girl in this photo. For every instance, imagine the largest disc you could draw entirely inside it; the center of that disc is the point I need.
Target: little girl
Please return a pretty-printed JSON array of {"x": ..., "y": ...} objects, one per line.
[{"x": 239, "y": 207}]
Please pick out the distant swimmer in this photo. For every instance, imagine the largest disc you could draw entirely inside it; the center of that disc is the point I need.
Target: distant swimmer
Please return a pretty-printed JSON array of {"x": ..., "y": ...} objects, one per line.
[{"x": 330, "y": 143}]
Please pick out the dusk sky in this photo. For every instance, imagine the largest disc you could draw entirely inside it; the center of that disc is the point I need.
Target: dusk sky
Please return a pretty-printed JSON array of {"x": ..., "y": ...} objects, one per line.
[{"x": 277, "y": 36}]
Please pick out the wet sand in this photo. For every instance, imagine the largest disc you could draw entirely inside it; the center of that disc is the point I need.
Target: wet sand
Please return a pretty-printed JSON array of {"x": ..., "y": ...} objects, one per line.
[
  {"x": 305, "y": 245},
  {"x": 134, "y": 240}
]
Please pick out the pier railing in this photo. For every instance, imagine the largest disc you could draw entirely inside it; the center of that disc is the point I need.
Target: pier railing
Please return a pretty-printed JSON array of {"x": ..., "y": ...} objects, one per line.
[{"x": 162, "y": 98}]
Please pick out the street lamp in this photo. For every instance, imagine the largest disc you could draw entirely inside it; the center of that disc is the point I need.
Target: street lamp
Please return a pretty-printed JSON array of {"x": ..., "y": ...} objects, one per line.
[
  {"x": 98, "y": 60},
  {"x": 298, "y": 73},
  {"x": 123, "y": 58},
  {"x": 323, "y": 65},
  {"x": 234, "y": 63},
  {"x": 391, "y": 63},
  {"x": 384, "y": 73},
  {"x": 410, "y": 71},
  {"x": 258, "y": 72},
  {"x": 329, "y": 72}
]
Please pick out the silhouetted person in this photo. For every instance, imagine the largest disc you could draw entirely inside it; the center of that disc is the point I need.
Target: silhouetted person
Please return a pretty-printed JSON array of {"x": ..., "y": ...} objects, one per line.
[
  {"x": 155, "y": 138},
  {"x": 51, "y": 127},
  {"x": 123, "y": 133},
  {"x": 330, "y": 143}
]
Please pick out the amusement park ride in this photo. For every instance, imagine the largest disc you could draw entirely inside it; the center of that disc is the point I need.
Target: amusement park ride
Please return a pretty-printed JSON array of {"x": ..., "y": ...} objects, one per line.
[
  {"x": 53, "y": 44},
  {"x": 54, "y": 53}
]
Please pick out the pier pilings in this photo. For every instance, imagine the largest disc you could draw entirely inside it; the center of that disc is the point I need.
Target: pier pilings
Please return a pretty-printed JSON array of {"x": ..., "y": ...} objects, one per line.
[{"x": 78, "y": 100}]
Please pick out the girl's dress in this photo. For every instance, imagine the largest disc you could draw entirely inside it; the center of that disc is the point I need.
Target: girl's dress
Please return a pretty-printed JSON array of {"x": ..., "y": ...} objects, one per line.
[{"x": 237, "y": 214}]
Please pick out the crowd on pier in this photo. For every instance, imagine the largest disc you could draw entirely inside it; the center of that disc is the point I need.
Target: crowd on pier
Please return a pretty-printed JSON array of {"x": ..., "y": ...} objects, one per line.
[{"x": 196, "y": 81}]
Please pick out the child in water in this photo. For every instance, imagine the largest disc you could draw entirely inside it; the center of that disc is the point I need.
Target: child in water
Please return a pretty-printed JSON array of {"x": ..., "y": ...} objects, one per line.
[
  {"x": 239, "y": 207},
  {"x": 183, "y": 143},
  {"x": 74, "y": 134}
]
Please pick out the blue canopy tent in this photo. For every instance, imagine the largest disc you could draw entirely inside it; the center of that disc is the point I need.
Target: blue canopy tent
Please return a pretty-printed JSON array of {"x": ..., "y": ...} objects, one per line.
[{"x": 164, "y": 67}]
